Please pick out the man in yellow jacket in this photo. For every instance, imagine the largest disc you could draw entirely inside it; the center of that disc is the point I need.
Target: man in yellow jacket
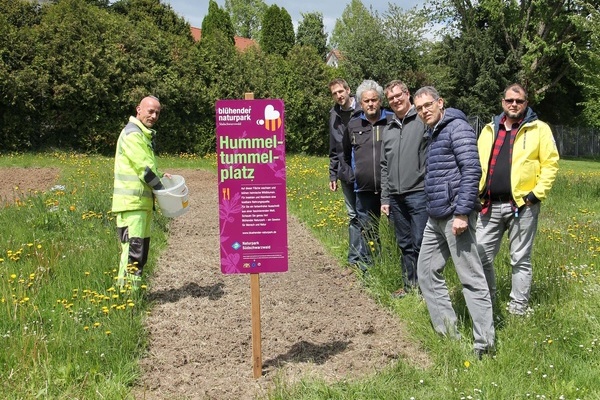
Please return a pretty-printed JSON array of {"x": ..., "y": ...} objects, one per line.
[
  {"x": 135, "y": 176},
  {"x": 519, "y": 162}
]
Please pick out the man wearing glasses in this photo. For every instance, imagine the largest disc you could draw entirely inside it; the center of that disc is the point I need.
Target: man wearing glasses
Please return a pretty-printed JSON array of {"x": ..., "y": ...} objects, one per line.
[
  {"x": 402, "y": 180},
  {"x": 451, "y": 182},
  {"x": 519, "y": 162}
]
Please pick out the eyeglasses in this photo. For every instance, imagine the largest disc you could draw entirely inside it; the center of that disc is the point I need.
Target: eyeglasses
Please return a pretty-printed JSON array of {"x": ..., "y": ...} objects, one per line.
[
  {"x": 395, "y": 97},
  {"x": 510, "y": 101},
  {"x": 427, "y": 106}
]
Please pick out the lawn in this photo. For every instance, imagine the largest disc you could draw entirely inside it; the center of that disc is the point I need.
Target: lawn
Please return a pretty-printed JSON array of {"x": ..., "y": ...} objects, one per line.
[{"x": 68, "y": 332}]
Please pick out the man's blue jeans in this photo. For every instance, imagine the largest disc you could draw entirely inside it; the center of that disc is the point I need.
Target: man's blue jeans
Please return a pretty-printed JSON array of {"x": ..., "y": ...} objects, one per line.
[
  {"x": 368, "y": 207},
  {"x": 354, "y": 238},
  {"x": 408, "y": 213}
]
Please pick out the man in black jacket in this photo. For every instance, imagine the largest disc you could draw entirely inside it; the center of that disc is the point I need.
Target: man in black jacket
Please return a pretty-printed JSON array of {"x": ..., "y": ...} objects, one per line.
[
  {"x": 362, "y": 151},
  {"x": 339, "y": 116}
]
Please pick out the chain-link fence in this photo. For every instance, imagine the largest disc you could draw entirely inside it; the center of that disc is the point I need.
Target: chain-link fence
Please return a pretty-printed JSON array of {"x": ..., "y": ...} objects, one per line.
[{"x": 577, "y": 141}]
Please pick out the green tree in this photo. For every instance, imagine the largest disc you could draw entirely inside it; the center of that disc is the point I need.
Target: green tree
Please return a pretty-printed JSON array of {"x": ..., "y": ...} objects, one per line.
[
  {"x": 86, "y": 56},
  {"x": 277, "y": 36},
  {"x": 588, "y": 63},
  {"x": 535, "y": 43},
  {"x": 23, "y": 85},
  {"x": 380, "y": 48},
  {"x": 153, "y": 11},
  {"x": 246, "y": 16},
  {"x": 217, "y": 20},
  {"x": 311, "y": 32},
  {"x": 301, "y": 80}
]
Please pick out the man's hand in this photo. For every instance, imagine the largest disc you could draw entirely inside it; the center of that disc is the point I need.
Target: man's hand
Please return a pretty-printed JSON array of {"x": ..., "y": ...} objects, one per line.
[
  {"x": 333, "y": 186},
  {"x": 385, "y": 209},
  {"x": 460, "y": 224}
]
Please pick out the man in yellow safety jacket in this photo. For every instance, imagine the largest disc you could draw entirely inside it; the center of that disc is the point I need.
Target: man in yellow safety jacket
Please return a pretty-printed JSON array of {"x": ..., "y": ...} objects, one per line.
[{"x": 135, "y": 176}]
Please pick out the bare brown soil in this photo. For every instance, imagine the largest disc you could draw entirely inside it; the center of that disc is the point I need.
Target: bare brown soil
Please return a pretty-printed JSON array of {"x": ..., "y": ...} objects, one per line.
[
  {"x": 316, "y": 320},
  {"x": 18, "y": 183}
]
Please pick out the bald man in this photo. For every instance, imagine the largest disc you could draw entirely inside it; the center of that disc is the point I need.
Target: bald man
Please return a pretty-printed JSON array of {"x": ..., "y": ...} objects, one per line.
[{"x": 135, "y": 176}]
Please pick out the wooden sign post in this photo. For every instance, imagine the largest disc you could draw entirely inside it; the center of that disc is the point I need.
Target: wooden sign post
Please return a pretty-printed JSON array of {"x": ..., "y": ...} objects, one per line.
[{"x": 255, "y": 305}]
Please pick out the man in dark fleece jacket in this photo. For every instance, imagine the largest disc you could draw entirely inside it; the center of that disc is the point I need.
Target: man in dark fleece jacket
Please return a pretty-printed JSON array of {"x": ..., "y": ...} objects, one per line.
[
  {"x": 452, "y": 183},
  {"x": 339, "y": 116},
  {"x": 402, "y": 180},
  {"x": 362, "y": 151}
]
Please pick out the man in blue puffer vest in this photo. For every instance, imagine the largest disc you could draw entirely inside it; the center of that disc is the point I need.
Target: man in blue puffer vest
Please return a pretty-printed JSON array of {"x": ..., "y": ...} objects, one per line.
[{"x": 452, "y": 186}]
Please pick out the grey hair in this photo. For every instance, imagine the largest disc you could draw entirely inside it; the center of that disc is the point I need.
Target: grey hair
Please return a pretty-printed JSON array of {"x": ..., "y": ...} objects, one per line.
[
  {"x": 430, "y": 90},
  {"x": 368, "y": 85}
]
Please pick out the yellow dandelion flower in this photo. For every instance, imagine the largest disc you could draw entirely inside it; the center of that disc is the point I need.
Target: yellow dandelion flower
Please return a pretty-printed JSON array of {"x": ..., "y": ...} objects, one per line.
[
  {"x": 108, "y": 332},
  {"x": 85, "y": 328},
  {"x": 96, "y": 324},
  {"x": 13, "y": 276},
  {"x": 39, "y": 246},
  {"x": 467, "y": 364}
]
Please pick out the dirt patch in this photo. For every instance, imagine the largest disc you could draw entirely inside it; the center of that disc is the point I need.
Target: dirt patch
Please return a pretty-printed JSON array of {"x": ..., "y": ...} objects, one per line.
[
  {"x": 316, "y": 321},
  {"x": 18, "y": 183}
]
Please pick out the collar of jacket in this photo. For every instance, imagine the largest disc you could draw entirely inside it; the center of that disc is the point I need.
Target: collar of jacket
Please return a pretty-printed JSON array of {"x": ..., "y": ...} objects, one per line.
[
  {"x": 150, "y": 133},
  {"x": 529, "y": 117},
  {"x": 385, "y": 114},
  {"x": 410, "y": 114}
]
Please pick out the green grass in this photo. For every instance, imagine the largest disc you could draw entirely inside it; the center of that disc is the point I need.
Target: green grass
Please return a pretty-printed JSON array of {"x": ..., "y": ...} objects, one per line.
[{"x": 66, "y": 332}]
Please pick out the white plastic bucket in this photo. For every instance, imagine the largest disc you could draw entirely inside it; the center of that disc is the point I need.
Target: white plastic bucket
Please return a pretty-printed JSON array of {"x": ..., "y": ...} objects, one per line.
[{"x": 173, "y": 199}]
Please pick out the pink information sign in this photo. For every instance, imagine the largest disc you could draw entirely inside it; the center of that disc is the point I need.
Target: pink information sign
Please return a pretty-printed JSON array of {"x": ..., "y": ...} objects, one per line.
[{"x": 252, "y": 186}]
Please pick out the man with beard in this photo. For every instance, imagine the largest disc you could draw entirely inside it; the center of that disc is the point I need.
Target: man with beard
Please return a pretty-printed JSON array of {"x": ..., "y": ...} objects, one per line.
[
  {"x": 339, "y": 116},
  {"x": 519, "y": 161}
]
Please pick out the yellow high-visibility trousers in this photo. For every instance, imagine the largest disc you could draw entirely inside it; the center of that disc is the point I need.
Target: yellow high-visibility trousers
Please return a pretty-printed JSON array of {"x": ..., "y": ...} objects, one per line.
[{"x": 133, "y": 229}]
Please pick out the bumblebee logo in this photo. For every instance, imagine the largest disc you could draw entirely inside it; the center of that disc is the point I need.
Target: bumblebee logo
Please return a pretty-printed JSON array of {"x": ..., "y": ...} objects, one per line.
[{"x": 272, "y": 120}]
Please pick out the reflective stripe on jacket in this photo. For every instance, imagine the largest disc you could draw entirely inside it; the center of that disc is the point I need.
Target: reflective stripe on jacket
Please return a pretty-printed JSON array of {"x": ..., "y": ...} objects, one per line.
[{"x": 134, "y": 162}]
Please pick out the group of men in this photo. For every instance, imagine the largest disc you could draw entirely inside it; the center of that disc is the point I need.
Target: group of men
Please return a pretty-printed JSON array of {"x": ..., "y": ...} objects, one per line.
[{"x": 447, "y": 192}]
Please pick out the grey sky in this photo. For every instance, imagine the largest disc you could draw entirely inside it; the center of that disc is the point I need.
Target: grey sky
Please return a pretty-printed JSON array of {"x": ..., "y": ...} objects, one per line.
[{"x": 194, "y": 10}]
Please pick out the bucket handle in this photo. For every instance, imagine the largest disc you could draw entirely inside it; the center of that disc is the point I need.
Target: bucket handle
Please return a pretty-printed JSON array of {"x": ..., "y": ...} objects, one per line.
[{"x": 185, "y": 193}]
